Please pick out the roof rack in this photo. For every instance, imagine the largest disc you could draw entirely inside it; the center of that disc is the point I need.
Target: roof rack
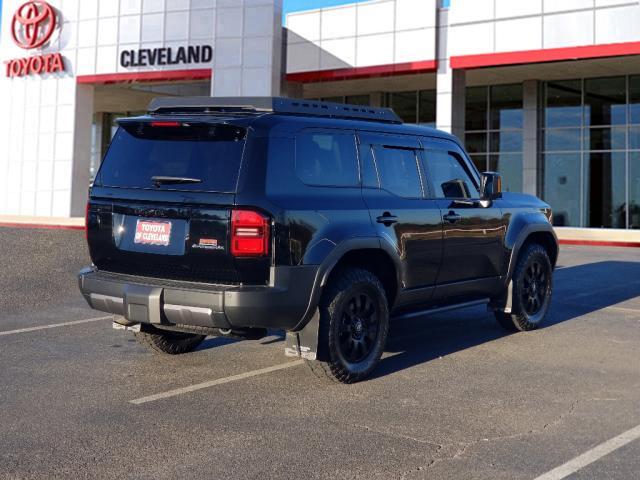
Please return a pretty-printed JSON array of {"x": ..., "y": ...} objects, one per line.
[{"x": 260, "y": 105}]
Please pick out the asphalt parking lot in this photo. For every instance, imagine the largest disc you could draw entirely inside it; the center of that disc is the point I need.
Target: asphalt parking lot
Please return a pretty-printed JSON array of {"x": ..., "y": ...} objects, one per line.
[{"x": 454, "y": 397}]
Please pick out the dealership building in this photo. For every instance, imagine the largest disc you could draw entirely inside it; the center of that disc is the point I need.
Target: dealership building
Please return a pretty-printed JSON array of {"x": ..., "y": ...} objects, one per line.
[{"x": 545, "y": 92}]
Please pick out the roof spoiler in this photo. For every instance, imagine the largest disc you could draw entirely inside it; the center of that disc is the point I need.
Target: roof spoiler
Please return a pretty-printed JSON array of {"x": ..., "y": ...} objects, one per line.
[{"x": 259, "y": 105}]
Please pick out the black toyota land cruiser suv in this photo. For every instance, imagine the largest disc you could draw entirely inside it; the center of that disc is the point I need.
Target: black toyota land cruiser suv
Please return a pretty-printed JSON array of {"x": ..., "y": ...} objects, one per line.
[{"x": 229, "y": 216}]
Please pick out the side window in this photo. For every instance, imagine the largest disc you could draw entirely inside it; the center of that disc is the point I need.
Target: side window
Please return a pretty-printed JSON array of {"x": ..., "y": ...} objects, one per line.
[
  {"x": 398, "y": 171},
  {"x": 327, "y": 159},
  {"x": 449, "y": 176}
]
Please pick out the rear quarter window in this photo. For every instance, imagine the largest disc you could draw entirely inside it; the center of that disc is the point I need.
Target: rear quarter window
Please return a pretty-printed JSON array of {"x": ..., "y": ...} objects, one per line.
[{"x": 327, "y": 159}]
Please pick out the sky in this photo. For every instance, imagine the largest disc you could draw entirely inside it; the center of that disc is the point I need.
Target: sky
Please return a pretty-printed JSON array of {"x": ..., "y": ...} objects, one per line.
[{"x": 298, "y": 5}]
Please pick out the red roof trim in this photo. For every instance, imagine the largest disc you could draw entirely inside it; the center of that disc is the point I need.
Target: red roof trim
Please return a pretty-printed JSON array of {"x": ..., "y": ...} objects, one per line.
[
  {"x": 545, "y": 55},
  {"x": 427, "y": 66},
  {"x": 155, "y": 76}
]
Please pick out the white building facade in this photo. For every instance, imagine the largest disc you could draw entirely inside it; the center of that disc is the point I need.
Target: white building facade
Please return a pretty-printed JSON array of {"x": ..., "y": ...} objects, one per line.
[
  {"x": 117, "y": 55},
  {"x": 546, "y": 92}
]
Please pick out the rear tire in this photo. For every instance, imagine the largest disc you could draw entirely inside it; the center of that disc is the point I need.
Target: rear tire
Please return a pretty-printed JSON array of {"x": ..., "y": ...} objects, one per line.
[
  {"x": 532, "y": 288},
  {"x": 167, "y": 342},
  {"x": 354, "y": 323}
]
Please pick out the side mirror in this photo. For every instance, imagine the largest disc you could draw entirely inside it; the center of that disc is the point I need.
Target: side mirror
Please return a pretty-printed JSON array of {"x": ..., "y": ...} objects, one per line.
[{"x": 490, "y": 186}]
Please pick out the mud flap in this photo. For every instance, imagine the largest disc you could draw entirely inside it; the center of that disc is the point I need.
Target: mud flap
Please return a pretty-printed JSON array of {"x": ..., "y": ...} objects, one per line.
[
  {"x": 304, "y": 343},
  {"x": 505, "y": 302},
  {"x": 508, "y": 308}
]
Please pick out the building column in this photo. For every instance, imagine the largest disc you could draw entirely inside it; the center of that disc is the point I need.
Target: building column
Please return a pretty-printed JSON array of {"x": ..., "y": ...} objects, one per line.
[
  {"x": 80, "y": 176},
  {"x": 530, "y": 137},
  {"x": 450, "y": 84},
  {"x": 248, "y": 49}
]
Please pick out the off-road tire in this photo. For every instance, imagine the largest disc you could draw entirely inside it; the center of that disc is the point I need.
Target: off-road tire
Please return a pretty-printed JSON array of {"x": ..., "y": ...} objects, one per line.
[
  {"x": 167, "y": 342},
  {"x": 520, "y": 320},
  {"x": 343, "y": 288}
]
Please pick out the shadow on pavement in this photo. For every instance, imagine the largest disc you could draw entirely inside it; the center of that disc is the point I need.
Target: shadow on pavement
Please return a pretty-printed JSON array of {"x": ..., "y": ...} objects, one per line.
[
  {"x": 583, "y": 289},
  {"x": 578, "y": 290},
  {"x": 274, "y": 336}
]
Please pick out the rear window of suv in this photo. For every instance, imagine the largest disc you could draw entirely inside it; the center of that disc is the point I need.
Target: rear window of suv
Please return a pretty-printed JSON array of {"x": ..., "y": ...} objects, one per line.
[{"x": 208, "y": 156}]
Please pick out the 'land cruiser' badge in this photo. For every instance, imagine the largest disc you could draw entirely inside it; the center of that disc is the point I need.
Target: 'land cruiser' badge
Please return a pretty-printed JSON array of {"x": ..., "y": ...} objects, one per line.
[{"x": 208, "y": 244}]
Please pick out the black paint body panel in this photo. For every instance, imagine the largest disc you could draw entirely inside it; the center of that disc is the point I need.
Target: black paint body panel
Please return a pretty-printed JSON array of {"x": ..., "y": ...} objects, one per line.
[{"x": 312, "y": 229}]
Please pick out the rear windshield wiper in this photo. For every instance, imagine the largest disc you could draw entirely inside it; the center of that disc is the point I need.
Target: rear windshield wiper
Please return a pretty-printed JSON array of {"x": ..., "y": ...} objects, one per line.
[{"x": 159, "y": 180}]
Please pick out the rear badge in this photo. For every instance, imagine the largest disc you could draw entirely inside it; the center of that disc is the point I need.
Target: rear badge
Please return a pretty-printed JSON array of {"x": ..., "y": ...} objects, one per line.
[{"x": 208, "y": 244}]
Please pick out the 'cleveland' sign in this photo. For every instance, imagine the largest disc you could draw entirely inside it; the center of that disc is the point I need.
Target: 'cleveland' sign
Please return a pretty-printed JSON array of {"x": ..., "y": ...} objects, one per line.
[{"x": 149, "y": 57}]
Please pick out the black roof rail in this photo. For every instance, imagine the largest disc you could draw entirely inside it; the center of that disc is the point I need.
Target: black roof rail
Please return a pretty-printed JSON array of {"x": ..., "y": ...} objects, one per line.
[{"x": 259, "y": 105}]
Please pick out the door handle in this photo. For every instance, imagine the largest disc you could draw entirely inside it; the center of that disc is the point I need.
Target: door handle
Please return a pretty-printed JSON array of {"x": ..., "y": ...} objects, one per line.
[
  {"x": 387, "y": 219},
  {"x": 452, "y": 217}
]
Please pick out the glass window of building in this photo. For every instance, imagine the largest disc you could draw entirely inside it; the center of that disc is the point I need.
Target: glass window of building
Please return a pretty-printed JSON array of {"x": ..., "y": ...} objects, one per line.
[
  {"x": 414, "y": 107},
  {"x": 590, "y": 175},
  {"x": 494, "y": 128},
  {"x": 563, "y": 107},
  {"x": 405, "y": 104},
  {"x": 350, "y": 99},
  {"x": 562, "y": 187},
  {"x": 427, "y": 108}
]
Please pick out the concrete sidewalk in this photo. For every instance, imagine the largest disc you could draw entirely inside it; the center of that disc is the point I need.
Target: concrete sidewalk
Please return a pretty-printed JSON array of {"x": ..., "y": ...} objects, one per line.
[{"x": 598, "y": 236}]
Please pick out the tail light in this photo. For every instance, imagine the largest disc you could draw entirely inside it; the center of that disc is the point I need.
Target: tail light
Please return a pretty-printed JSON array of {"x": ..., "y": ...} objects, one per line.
[{"x": 249, "y": 234}]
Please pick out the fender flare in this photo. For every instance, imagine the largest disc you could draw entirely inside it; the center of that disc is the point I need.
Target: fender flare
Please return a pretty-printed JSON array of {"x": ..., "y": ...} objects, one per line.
[
  {"x": 302, "y": 341},
  {"x": 332, "y": 259},
  {"x": 522, "y": 237}
]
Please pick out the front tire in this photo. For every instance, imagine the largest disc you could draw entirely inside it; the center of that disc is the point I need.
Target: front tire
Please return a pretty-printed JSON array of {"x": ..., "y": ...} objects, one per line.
[
  {"x": 166, "y": 341},
  {"x": 532, "y": 288},
  {"x": 354, "y": 323}
]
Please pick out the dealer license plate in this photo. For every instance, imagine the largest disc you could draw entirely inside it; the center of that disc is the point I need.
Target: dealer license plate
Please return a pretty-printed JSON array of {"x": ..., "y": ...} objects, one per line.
[{"x": 152, "y": 233}]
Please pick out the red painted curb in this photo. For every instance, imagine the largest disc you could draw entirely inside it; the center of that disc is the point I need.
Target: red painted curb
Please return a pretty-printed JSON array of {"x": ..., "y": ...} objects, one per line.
[
  {"x": 43, "y": 226},
  {"x": 600, "y": 243}
]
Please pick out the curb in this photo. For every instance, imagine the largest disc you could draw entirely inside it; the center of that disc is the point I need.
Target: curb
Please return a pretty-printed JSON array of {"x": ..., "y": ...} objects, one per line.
[
  {"x": 41, "y": 226},
  {"x": 599, "y": 243}
]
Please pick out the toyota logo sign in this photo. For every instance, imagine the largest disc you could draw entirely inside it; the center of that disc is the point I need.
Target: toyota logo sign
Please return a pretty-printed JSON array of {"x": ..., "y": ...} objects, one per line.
[
  {"x": 31, "y": 27},
  {"x": 33, "y": 24}
]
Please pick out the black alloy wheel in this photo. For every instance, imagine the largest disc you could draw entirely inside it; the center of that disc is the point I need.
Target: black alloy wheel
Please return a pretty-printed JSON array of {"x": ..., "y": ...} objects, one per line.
[
  {"x": 354, "y": 322},
  {"x": 359, "y": 327},
  {"x": 534, "y": 288}
]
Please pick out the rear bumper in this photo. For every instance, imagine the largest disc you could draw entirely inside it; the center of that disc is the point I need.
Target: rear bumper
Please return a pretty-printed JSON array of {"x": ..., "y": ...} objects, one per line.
[{"x": 283, "y": 304}]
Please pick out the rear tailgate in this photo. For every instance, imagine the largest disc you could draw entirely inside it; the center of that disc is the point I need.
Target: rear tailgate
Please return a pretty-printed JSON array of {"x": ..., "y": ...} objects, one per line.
[{"x": 178, "y": 227}]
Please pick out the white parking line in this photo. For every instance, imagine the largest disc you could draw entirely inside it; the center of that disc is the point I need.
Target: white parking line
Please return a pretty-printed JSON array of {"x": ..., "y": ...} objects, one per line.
[
  {"x": 592, "y": 455},
  {"x": 53, "y": 325},
  {"x": 213, "y": 383}
]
